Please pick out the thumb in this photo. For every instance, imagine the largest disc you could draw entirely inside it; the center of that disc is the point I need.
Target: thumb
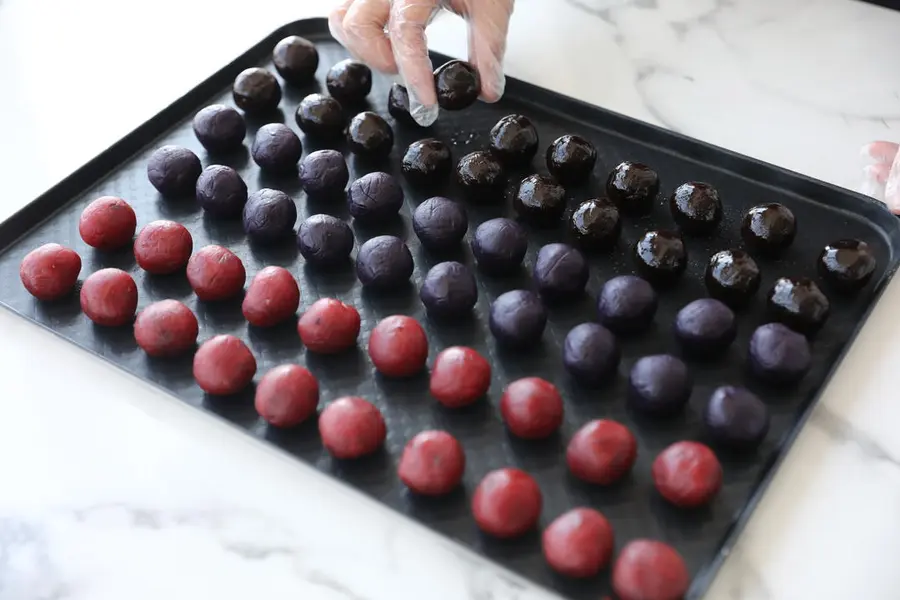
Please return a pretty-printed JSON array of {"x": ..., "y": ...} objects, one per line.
[
  {"x": 408, "y": 21},
  {"x": 488, "y": 28}
]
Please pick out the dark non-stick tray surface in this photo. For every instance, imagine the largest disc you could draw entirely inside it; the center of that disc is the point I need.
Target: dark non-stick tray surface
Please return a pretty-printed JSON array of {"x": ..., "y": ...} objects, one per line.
[{"x": 634, "y": 508}]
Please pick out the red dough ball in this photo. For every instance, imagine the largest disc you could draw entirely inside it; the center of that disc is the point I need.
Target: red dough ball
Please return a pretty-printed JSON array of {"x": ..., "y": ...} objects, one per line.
[
  {"x": 224, "y": 365},
  {"x": 687, "y": 474},
  {"x": 329, "y": 326},
  {"x": 166, "y": 328},
  {"x": 107, "y": 223},
  {"x": 432, "y": 463},
  {"x": 601, "y": 452},
  {"x": 351, "y": 427},
  {"x": 273, "y": 296},
  {"x": 532, "y": 408},
  {"x": 50, "y": 272},
  {"x": 507, "y": 503},
  {"x": 109, "y": 297},
  {"x": 460, "y": 376},
  {"x": 216, "y": 273},
  {"x": 287, "y": 395},
  {"x": 649, "y": 570},
  {"x": 398, "y": 346},
  {"x": 163, "y": 247},
  {"x": 578, "y": 543}
]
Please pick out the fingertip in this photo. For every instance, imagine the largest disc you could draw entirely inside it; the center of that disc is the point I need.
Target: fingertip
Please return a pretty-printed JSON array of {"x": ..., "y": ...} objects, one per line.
[
  {"x": 492, "y": 90},
  {"x": 423, "y": 115}
]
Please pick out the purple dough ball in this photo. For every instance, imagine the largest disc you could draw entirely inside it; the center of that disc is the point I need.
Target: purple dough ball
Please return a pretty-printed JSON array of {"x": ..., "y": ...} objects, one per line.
[
  {"x": 221, "y": 191},
  {"x": 499, "y": 245},
  {"x": 173, "y": 170},
  {"x": 705, "y": 327},
  {"x": 449, "y": 290},
  {"x": 384, "y": 262},
  {"x": 627, "y": 304},
  {"x": 220, "y": 128},
  {"x": 375, "y": 198},
  {"x": 277, "y": 148},
  {"x": 324, "y": 240},
  {"x": 591, "y": 354},
  {"x": 736, "y": 418},
  {"x": 659, "y": 385},
  {"x": 324, "y": 174},
  {"x": 269, "y": 215},
  {"x": 518, "y": 319},
  {"x": 778, "y": 354},
  {"x": 560, "y": 271},
  {"x": 440, "y": 223}
]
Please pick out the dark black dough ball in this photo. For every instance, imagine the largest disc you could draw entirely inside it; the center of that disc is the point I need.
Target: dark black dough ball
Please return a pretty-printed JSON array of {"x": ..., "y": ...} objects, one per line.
[
  {"x": 659, "y": 385},
  {"x": 591, "y": 354},
  {"x": 256, "y": 91},
  {"x": 276, "y": 149},
  {"x": 732, "y": 276},
  {"x": 627, "y": 304},
  {"x": 269, "y": 215},
  {"x": 221, "y": 192},
  {"x": 296, "y": 59},
  {"x": 499, "y": 245},
  {"x": 427, "y": 163},
  {"x": 779, "y": 355},
  {"x": 374, "y": 198},
  {"x": 540, "y": 201},
  {"x": 324, "y": 174},
  {"x": 799, "y": 304},
  {"x": 384, "y": 263},
  {"x": 219, "y": 128},
  {"x": 457, "y": 85},
  {"x": 325, "y": 240},
  {"x": 173, "y": 170},
  {"x": 735, "y": 418},
  {"x": 847, "y": 265},
  {"x": 570, "y": 159},
  {"x": 320, "y": 117},
  {"x": 518, "y": 319},
  {"x": 769, "y": 229},
  {"x": 595, "y": 226},
  {"x": 560, "y": 271},
  {"x": 705, "y": 328},
  {"x": 515, "y": 140},
  {"x": 440, "y": 223},
  {"x": 633, "y": 187},
  {"x": 398, "y": 104},
  {"x": 349, "y": 81},
  {"x": 369, "y": 135},
  {"x": 449, "y": 290},
  {"x": 696, "y": 208},
  {"x": 481, "y": 176},
  {"x": 661, "y": 257}
]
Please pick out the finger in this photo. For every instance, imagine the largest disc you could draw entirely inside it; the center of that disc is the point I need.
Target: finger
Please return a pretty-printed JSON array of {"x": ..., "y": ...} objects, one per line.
[
  {"x": 880, "y": 152},
  {"x": 878, "y": 172},
  {"x": 407, "y": 28},
  {"x": 363, "y": 28},
  {"x": 892, "y": 186},
  {"x": 488, "y": 28},
  {"x": 336, "y": 21}
]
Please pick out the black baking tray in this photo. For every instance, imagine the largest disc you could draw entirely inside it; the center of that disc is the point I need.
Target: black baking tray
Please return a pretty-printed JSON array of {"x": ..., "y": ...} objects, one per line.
[{"x": 703, "y": 537}]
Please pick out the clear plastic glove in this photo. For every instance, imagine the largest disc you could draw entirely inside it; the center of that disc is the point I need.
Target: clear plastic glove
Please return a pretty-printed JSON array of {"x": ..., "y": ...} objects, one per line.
[
  {"x": 389, "y": 35},
  {"x": 882, "y": 174}
]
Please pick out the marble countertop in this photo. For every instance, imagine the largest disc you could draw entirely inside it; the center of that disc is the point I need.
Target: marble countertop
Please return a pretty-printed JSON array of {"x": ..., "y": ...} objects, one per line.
[{"x": 112, "y": 489}]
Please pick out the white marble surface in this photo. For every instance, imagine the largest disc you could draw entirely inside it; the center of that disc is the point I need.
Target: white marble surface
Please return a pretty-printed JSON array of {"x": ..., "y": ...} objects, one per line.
[{"x": 112, "y": 489}]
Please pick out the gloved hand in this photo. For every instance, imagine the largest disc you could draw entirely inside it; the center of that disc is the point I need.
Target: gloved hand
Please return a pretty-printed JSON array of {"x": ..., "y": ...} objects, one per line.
[
  {"x": 389, "y": 35},
  {"x": 883, "y": 173}
]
